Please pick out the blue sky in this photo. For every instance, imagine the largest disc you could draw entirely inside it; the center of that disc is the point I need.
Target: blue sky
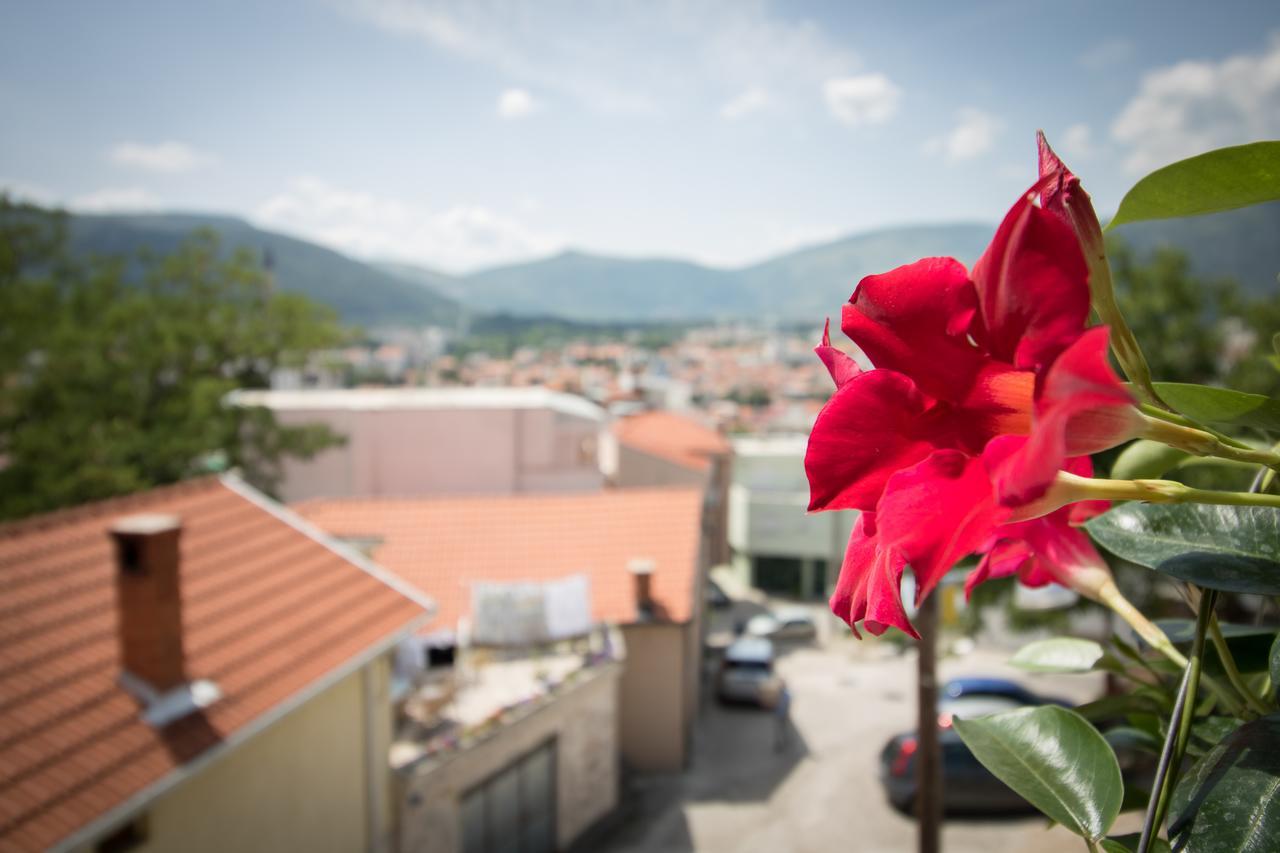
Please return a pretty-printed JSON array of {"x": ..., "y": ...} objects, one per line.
[{"x": 465, "y": 134}]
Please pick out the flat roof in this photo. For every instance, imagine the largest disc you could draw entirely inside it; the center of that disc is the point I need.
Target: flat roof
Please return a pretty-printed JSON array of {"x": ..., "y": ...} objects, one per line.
[{"x": 381, "y": 399}]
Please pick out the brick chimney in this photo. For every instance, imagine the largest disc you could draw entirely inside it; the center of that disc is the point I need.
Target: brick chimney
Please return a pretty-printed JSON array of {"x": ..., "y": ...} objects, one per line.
[
  {"x": 642, "y": 572},
  {"x": 149, "y": 600}
]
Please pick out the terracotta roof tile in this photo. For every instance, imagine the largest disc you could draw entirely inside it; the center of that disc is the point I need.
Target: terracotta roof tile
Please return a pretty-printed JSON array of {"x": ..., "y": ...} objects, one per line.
[
  {"x": 673, "y": 437},
  {"x": 443, "y": 545},
  {"x": 267, "y": 611}
]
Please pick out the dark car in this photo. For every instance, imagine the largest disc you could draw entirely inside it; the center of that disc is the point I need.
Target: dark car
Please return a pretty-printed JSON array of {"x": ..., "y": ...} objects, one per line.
[{"x": 967, "y": 786}]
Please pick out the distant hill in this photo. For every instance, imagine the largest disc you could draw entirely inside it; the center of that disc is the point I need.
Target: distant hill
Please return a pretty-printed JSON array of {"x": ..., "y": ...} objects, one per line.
[
  {"x": 360, "y": 293},
  {"x": 1242, "y": 244},
  {"x": 800, "y": 285},
  {"x": 816, "y": 281},
  {"x": 797, "y": 286}
]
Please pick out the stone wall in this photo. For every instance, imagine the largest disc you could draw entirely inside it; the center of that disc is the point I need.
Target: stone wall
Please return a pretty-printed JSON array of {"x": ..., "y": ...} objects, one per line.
[{"x": 583, "y": 721}]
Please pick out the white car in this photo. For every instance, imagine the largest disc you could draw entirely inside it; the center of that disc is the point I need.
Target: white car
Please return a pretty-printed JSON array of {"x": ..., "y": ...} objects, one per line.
[
  {"x": 746, "y": 673},
  {"x": 793, "y": 624}
]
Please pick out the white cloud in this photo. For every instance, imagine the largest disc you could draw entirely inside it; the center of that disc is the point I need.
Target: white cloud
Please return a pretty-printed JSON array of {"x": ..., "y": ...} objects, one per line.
[
  {"x": 372, "y": 226},
  {"x": 166, "y": 157},
  {"x": 745, "y": 104},
  {"x": 1106, "y": 54},
  {"x": 974, "y": 134},
  {"x": 865, "y": 99},
  {"x": 114, "y": 199},
  {"x": 605, "y": 56},
  {"x": 517, "y": 103},
  {"x": 1193, "y": 107},
  {"x": 1077, "y": 142}
]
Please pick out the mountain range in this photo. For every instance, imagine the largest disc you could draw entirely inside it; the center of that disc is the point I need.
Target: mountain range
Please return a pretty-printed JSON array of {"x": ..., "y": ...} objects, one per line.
[{"x": 798, "y": 285}]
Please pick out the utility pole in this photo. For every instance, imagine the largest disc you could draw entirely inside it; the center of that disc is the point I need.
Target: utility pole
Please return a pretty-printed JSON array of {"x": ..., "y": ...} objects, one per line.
[{"x": 929, "y": 754}]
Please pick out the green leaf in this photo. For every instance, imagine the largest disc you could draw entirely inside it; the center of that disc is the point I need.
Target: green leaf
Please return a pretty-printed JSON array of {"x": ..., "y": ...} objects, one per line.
[
  {"x": 1147, "y": 460},
  {"x": 1129, "y": 843},
  {"x": 1230, "y": 799},
  {"x": 1207, "y": 183},
  {"x": 1058, "y": 654},
  {"x": 1275, "y": 664},
  {"x": 1122, "y": 704},
  {"x": 1055, "y": 760},
  {"x": 1230, "y": 548},
  {"x": 1221, "y": 405}
]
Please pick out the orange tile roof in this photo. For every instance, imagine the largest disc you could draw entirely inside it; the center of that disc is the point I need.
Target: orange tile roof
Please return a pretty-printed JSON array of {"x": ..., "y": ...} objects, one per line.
[
  {"x": 673, "y": 437},
  {"x": 443, "y": 545},
  {"x": 268, "y": 611}
]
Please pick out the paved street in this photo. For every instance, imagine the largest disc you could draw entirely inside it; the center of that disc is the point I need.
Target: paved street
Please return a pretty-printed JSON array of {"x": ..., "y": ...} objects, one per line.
[{"x": 821, "y": 794}]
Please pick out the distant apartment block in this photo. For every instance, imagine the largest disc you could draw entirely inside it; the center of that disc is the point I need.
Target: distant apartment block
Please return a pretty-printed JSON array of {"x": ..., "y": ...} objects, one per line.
[
  {"x": 420, "y": 442},
  {"x": 195, "y": 668},
  {"x": 777, "y": 545}
]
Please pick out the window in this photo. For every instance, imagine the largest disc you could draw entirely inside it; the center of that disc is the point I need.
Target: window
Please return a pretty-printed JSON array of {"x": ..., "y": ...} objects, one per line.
[{"x": 513, "y": 811}]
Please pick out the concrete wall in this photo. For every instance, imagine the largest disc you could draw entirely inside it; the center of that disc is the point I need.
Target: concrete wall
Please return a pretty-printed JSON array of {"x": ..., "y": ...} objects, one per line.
[
  {"x": 298, "y": 785},
  {"x": 657, "y": 705},
  {"x": 421, "y": 452},
  {"x": 637, "y": 469},
  {"x": 583, "y": 722}
]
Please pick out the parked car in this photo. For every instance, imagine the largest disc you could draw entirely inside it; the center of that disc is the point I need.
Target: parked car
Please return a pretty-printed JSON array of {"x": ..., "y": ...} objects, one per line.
[
  {"x": 793, "y": 624},
  {"x": 967, "y": 786},
  {"x": 746, "y": 672},
  {"x": 715, "y": 596}
]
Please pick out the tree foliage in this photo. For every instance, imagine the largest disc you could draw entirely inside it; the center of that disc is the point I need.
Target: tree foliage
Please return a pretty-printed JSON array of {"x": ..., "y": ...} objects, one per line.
[
  {"x": 110, "y": 385},
  {"x": 1194, "y": 329}
]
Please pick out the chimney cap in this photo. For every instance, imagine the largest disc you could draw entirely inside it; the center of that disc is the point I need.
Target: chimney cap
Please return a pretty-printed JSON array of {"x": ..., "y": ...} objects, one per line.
[
  {"x": 641, "y": 566},
  {"x": 146, "y": 524}
]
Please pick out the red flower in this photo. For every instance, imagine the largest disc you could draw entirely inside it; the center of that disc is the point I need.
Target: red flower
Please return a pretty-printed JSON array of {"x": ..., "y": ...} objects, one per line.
[{"x": 961, "y": 360}]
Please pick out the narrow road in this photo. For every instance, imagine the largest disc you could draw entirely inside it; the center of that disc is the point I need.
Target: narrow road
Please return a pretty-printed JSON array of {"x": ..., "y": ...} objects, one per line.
[{"x": 821, "y": 793}]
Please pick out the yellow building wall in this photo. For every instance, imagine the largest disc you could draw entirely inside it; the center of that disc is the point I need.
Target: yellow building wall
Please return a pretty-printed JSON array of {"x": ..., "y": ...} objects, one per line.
[
  {"x": 656, "y": 706},
  {"x": 298, "y": 785}
]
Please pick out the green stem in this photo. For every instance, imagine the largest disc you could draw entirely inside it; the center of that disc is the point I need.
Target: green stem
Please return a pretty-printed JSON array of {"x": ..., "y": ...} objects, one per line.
[
  {"x": 1175, "y": 743},
  {"x": 1183, "y": 420},
  {"x": 1110, "y": 595},
  {"x": 1233, "y": 672},
  {"x": 1070, "y": 488},
  {"x": 1200, "y": 441}
]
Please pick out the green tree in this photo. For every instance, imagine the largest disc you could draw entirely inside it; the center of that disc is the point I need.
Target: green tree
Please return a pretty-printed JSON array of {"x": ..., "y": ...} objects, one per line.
[
  {"x": 1195, "y": 329},
  {"x": 113, "y": 378}
]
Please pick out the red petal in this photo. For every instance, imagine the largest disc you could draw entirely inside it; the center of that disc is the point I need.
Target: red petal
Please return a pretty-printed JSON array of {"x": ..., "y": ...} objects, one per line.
[
  {"x": 1081, "y": 408},
  {"x": 913, "y": 320},
  {"x": 871, "y": 427},
  {"x": 870, "y": 583},
  {"x": 1060, "y": 549},
  {"x": 1033, "y": 287},
  {"x": 841, "y": 367},
  {"x": 936, "y": 513},
  {"x": 1004, "y": 558},
  {"x": 1062, "y": 194}
]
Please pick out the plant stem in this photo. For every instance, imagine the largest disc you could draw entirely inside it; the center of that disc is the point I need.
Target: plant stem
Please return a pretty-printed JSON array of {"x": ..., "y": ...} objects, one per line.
[
  {"x": 1175, "y": 741},
  {"x": 1183, "y": 420},
  {"x": 1110, "y": 595},
  {"x": 1202, "y": 442},
  {"x": 1069, "y": 488},
  {"x": 1233, "y": 672}
]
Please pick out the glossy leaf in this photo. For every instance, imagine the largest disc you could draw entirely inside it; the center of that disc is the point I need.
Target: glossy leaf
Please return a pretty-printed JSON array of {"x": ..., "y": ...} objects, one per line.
[
  {"x": 1250, "y": 645},
  {"x": 1058, "y": 654},
  {"x": 1055, "y": 760},
  {"x": 1129, "y": 843},
  {"x": 1230, "y": 799},
  {"x": 1230, "y": 548},
  {"x": 1207, "y": 183},
  {"x": 1221, "y": 405},
  {"x": 1146, "y": 460},
  {"x": 1275, "y": 664}
]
